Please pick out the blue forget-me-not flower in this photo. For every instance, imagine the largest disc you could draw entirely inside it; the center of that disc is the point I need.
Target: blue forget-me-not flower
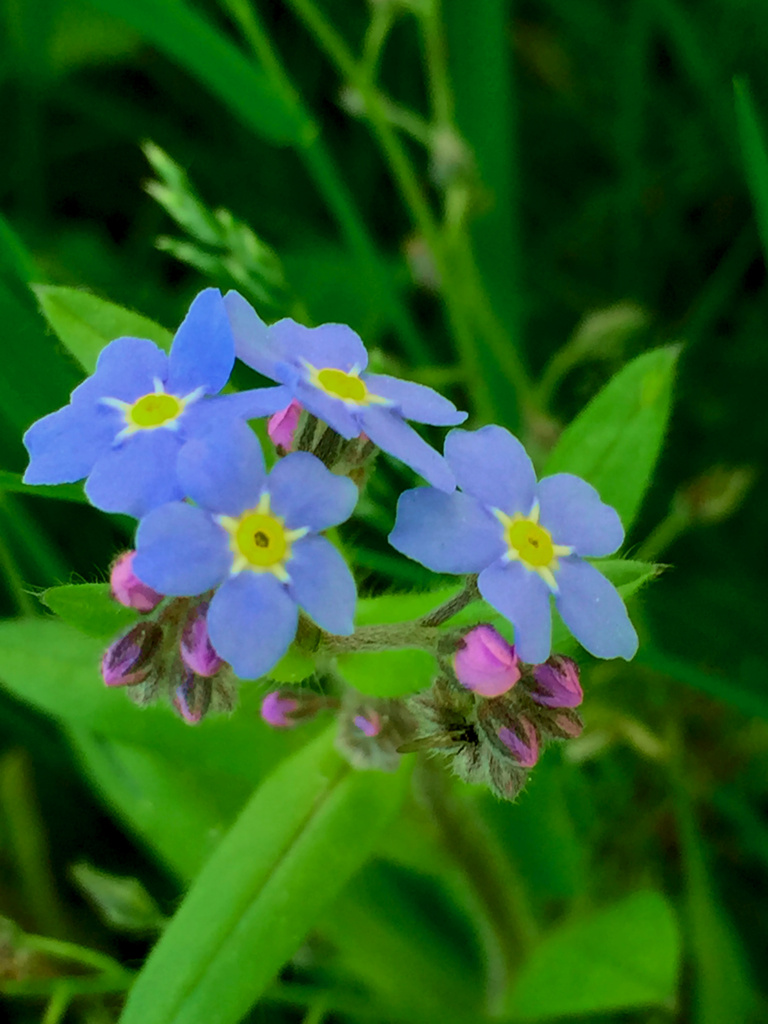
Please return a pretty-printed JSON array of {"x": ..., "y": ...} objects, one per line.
[
  {"x": 526, "y": 540},
  {"x": 254, "y": 539},
  {"x": 126, "y": 424},
  {"x": 324, "y": 367}
]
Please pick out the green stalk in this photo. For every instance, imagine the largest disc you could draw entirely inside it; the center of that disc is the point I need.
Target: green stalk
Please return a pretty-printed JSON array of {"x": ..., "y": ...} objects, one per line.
[{"x": 328, "y": 180}]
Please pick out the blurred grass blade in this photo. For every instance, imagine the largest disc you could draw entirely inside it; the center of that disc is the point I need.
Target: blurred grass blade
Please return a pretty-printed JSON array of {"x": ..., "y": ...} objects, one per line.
[
  {"x": 85, "y": 323},
  {"x": 723, "y": 989},
  {"x": 12, "y": 483},
  {"x": 202, "y": 50},
  {"x": 624, "y": 957},
  {"x": 14, "y": 258},
  {"x": 305, "y": 831},
  {"x": 615, "y": 441},
  {"x": 754, "y": 154}
]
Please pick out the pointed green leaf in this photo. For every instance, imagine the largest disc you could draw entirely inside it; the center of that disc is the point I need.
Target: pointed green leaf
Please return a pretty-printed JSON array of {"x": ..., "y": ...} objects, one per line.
[
  {"x": 13, "y": 483},
  {"x": 90, "y": 608},
  {"x": 85, "y": 323},
  {"x": 615, "y": 441},
  {"x": 621, "y": 958},
  {"x": 305, "y": 831}
]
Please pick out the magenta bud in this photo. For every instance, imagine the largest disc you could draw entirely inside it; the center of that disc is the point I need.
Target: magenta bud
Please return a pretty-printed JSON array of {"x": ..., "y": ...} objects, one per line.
[
  {"x": 127, "y": 661},
  {"x": 276, "y": 710},
  {"x": 282, "y": 426},
  {"x": 486, "y": 663},
  {"x": 522, "y": 742},
  {"x": 557, "y": 683},
  {"x": 369, "y": 724},
  {"x": 197, "y": 651},
  {"x": 192, "y": 698},
  {"x": 128, "y": 589}
]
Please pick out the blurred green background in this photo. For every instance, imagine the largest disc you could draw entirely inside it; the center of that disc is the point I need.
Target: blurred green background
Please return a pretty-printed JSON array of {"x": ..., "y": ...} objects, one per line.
[{"x": 494, "y": 194}]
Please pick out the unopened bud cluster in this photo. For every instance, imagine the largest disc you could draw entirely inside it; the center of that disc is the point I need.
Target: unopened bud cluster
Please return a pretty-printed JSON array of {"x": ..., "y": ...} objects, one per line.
[{"x": 169, "y": 655}]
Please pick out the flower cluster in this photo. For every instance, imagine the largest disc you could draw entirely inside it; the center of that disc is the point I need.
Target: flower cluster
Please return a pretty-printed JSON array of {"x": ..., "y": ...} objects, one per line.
[{"x": 233, "y": 563}]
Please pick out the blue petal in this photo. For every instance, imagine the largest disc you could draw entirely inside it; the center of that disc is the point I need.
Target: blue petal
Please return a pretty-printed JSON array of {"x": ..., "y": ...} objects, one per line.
[
  {"x": 446, "y": 532},
  {"x": 244, "y": 405},
  {"x": 344, "y": 420},
  {"x": 573, "y": 513},
  {"x": 522, "y": 597},
  {"x": 203, "y": 350},
  {"x": 305, "y": 493},
  {"x": 251, "y": 622},
  {"x": 329, "y": 345},
  {"x": 253, "y": 339},
  {"x": 492, "y": 465},
  {"x": 126, "y": 369},
  {"x": 65, "y": 445},
  {"x": 138, "y": 476},
  {"x": 592, "y": 609},
  {"x": 181, "y": 551},
  {"x": 415, "y": 401},
  {"x": 392, "y": 434},
  {"x": 323, "y": 585},
  {"x": 224, "y": 470}
]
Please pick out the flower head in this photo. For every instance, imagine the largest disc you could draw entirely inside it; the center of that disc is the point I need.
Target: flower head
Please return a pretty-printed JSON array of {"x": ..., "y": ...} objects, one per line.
[
  {"x": 324, "y": 367},
  {"x": 254, "y": 539},
  {"x": 276, "y": 710},
  {"x": 282, "y": 426},
  {"x": 128, "y": 661},
  {"x": 126, "y": 424},
  {"x": 556, "y": 683},
  {"x": 527, "y": 541},
  {"x": 486, "y": 663},
  {"x": 196, "y": 649}
]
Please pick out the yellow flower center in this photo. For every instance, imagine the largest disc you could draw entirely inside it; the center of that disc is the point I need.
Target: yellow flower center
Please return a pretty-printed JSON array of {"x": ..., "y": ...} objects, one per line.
[
  {"x": 260, "y": 539},
  {"x": 532, "y": 542},
  {"x": 153, "y": 410},
  {"x": 346, "y": 386}
]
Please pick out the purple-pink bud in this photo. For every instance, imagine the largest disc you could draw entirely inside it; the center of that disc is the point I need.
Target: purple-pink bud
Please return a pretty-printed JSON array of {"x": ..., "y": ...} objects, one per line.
[
  {"x": 570, "y": 727},
  {"x": 522, "y": 743},
  {"x": 128, "y": 589},
  {"x": 127, "y": 661},
  {"x": 197, "y": 651},
  {"x": 369, "y": 724},
  {"x": 282, "y": 426},
  {"x": 192, "y": 698},
  {"x": 557, "y": 683},
  {"x": 486, "y": 663},
  {"x": 276, "y": 710}
]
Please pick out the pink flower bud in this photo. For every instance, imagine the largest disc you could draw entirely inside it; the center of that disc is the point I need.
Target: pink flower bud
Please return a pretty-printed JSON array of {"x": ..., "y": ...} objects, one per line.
[
  {"x": 570, "y": 727},
  {"x": 486, "y": 663},
  {"x": 523, "y": 742},
  {"x": 128, "y": 589},
  {"x": 127, "y": 661},
  {"x": 192, "y": 698},
  {"x": 276, "y": 710},
  {"x": 557, "y": 683},
  {"x": 369, "y": 724},
  {"x": 282, "y": 426},
  {"x": 197, "y": 651}
]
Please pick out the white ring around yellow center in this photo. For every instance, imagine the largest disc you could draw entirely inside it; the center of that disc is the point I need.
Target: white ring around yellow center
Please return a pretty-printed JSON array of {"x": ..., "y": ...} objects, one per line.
[
  {"x": 156, "y": 409},
  {"x": 259, "y": 541},
  {"x": 531, "y": 544}
]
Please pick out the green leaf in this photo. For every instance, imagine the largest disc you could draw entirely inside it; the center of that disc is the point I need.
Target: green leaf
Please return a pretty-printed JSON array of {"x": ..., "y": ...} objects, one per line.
[
  {"x": 615, "y": 441},
  {"x": 305, "y": 831},
  {"x": 64, "y": 492},
  {"x": 90, "y": 608},
  {"x": 55, "y": 668},
  {"x": 85, "y": 323},
  {"x": 621, "y": 958},
  {"x": 36, "y": 378},
  {"x": 755, "y": 155},
  {"x": 204, "y": 52}
]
